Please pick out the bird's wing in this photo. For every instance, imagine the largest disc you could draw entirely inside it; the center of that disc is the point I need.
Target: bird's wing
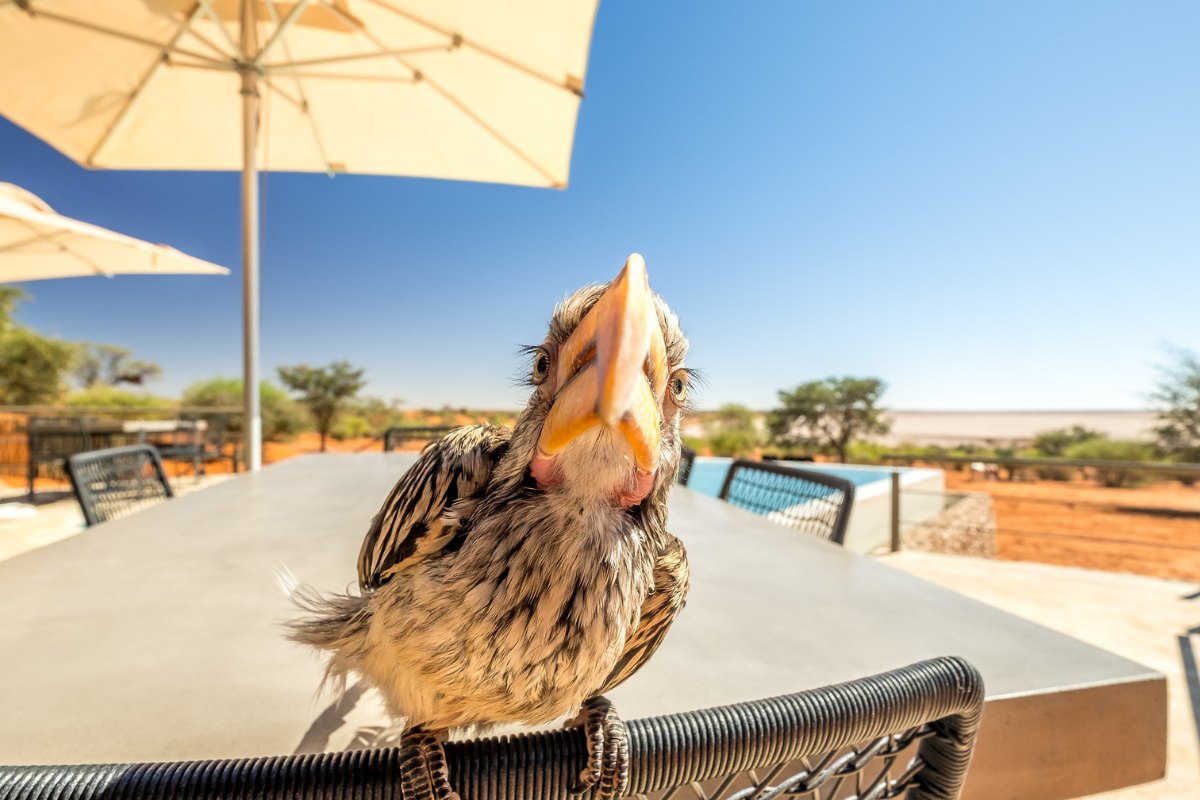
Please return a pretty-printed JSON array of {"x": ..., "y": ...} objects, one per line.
[
  {"x": 663, "y": 604},
  {"x": 431, "y": 502}
]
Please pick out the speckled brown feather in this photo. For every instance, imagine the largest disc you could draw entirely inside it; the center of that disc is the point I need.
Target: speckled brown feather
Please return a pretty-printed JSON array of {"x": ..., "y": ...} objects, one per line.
[{"x": 663, "y": 604}]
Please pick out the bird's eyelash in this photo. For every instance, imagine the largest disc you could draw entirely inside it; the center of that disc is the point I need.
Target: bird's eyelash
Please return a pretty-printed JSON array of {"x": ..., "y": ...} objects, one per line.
[
  {"x": 527, "y": 351},
  {"x": 696, "y": 379}
]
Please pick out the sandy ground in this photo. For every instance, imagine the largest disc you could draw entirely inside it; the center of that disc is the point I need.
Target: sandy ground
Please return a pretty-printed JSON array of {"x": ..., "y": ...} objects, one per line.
[
  {"x": 1148, "y": 620},
  {"x": 1148, "y": 530}
]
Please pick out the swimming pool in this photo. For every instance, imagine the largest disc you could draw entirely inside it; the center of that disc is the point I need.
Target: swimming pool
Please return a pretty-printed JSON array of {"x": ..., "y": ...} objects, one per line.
[
  {"x": 708, "y": 474},
  {"x": 870, "y": 518}
]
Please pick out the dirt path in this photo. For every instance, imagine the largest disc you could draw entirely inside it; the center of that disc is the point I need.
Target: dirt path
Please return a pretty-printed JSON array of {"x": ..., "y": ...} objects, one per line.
[{"x": 1150, "y": 530}]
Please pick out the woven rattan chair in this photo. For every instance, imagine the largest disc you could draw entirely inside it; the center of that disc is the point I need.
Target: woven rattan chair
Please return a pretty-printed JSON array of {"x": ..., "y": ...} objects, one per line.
[
  {"x": 812, "y": 502},
  {"x": 118, "y": 481},
  {"x": 393, "y": 437},
  {"x": 906, "y": 733},
  {"x": 687, "y": 458}
]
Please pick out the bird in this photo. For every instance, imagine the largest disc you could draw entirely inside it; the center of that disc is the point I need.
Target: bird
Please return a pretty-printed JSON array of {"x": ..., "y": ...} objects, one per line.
[{"x": 518, "y": 575}]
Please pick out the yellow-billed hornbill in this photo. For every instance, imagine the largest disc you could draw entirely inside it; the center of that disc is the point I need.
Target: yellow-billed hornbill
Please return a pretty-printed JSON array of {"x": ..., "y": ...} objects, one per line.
[{"x": 514, "y": 576}]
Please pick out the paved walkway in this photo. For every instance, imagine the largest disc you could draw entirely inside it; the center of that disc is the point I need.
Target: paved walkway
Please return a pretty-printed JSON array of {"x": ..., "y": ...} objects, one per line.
[
  {"x": 1149, "y": 620},
  {"x": 24, "y": 527}
]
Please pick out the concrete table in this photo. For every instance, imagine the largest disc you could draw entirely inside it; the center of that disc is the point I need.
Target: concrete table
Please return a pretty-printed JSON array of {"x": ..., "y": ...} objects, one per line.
[{"x": 158, "y": 637}]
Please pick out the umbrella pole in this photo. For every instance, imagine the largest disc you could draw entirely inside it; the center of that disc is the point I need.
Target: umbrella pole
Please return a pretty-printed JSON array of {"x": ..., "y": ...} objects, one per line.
[{"x": 250, "y": 282}]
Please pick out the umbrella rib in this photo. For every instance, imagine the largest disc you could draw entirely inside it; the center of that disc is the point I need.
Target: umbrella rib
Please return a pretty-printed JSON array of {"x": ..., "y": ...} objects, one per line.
[
  {"x": 212, "y": 14},
  {"x": 304, "y": 108},
  {"x": 497, "y": 135},
  {"x": 133, "y": 96},
  {"x": 38, "y": 236},
  {"x": 297, "y": 102},
  {"x": 87, "y": 261},
  {"x": 280, "y": 28},
  {"x": 463, "y": 107},
  {"x": 340, "y": 76},
  {"x": 129, "y": 37},
  {"x": 565, "y": 85},
  {"x": 283, "y": 66},
  {"x": 62, "y": 246}
]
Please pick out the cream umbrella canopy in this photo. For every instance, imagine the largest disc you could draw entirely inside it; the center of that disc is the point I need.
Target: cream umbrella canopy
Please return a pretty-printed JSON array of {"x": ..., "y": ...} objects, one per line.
[
  {"x": 36, "y": 243},
  {"x": 459, "y": 89}
]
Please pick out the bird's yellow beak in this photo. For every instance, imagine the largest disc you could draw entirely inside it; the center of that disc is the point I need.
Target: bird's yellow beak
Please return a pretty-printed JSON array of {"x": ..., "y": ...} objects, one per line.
[{"x": 612, "y": 371}]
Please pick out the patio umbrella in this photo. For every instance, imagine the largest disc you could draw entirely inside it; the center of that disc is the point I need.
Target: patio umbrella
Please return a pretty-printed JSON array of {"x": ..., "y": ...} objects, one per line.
[
  {"x": 461, "y": 89},
  {"x": 36, "y": 243}
]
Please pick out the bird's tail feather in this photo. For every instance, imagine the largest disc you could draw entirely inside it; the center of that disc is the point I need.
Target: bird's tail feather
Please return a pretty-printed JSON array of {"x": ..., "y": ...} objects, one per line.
[{"x": 336, "y": 623}]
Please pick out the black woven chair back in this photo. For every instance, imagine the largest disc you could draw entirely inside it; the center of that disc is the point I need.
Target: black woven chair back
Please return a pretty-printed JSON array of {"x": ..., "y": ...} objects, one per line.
[
  {"x": 118, "y": 481},
  {"x": 687, "y": 457},
  {"x": 906, "y": 733},
  {"x": 812, "y": 502},
  {"x": 394, "y": 437}
]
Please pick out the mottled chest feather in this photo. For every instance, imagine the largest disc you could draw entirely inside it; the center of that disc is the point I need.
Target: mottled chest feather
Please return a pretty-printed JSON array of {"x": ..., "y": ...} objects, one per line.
[{"x": 526, "y": 619}]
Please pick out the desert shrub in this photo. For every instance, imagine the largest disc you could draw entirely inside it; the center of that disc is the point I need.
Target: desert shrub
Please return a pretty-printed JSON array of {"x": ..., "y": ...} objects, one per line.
[
  {"x": 733, "y": 431},
  {"x": 866, "y": 453},
  {"x": 1055, "y": 442},
  {"x": 351, "y": 426},
  {"x": 1113, "y": 450},
  {"x": 282, "y": 417}
]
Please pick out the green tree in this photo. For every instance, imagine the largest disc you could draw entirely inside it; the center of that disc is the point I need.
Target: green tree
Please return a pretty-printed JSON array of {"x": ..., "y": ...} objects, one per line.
[
  {"x": 109, "y": 365},
  {"x": 828, "y": 415},
  {"x": 31, "y": 365},
  {"x": 282, "y": 417},
  {"x": 732, "y": 430},
  {"x": 1178, "y": 399},
  {"x": 1054, "y": 443},
  {"x": 324, "y": 390}
]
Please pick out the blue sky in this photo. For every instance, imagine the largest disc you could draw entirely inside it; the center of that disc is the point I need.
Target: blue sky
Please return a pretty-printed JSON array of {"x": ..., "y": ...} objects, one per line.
[{"x": 990, "y": 205}]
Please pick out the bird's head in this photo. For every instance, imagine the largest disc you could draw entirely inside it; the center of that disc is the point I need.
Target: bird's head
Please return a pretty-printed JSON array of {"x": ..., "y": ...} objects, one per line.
[{"x": 609, "y": 386}]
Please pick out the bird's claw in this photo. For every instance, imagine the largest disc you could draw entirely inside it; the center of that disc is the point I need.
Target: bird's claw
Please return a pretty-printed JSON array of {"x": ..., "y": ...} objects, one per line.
[
  {"x": 607, "y": 769},
  {"x": 423, "y": 771}
]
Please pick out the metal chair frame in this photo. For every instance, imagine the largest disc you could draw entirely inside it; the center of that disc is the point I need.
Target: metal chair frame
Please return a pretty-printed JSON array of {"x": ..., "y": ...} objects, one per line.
[
  {"x": 748, "y": 484},
  {"x": 113, "y": 483},
  {"x": 906, "y": 733},
  {"x": 394, "y": 436}
]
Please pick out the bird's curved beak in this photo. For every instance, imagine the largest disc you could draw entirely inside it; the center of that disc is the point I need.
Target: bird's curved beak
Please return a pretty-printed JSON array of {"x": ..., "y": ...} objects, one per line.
[{"x": 612, "y": 372}]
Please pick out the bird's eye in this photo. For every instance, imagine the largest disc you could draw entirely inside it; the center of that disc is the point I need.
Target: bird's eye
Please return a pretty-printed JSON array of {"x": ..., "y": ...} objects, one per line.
[
  {"x": 678, "y": 386},
  {"x": 541, "y": 367}
]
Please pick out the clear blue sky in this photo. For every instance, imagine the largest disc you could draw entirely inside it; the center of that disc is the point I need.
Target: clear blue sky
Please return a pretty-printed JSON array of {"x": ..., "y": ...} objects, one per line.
[{"x": 989, "y": 205}]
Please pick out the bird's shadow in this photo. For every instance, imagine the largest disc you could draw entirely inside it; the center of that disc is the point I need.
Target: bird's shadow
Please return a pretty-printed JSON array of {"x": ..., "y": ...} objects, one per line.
[{"x": 319, "y": 734}]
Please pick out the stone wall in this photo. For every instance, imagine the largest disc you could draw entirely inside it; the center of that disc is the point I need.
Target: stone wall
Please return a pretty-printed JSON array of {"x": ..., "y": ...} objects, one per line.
[{"x": 967, "y": 527}]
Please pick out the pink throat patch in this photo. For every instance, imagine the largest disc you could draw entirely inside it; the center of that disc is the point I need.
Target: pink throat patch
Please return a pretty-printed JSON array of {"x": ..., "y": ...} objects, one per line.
[{"x": 547, "y": 476}]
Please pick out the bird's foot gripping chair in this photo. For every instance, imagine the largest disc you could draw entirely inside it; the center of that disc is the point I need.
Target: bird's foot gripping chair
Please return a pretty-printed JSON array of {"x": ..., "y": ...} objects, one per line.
[{"x": 906, "y": 733}]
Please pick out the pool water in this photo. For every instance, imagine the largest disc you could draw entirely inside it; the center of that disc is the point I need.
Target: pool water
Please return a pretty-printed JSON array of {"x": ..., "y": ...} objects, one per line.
[{"x": 708, "y": 474}]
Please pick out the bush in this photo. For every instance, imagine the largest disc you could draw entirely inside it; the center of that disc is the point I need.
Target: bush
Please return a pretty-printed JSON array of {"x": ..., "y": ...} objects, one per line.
[
  {"x": 733, "y": 431},
  {"x": 282, "y": 417},
  {"x": 1054, "y": 443},
  {"x": 101, "y": 396},
  {"x": 867, "y": 453},
  {"x": 1113, "y": 450},
  {"x": 350, "y": 426}
]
